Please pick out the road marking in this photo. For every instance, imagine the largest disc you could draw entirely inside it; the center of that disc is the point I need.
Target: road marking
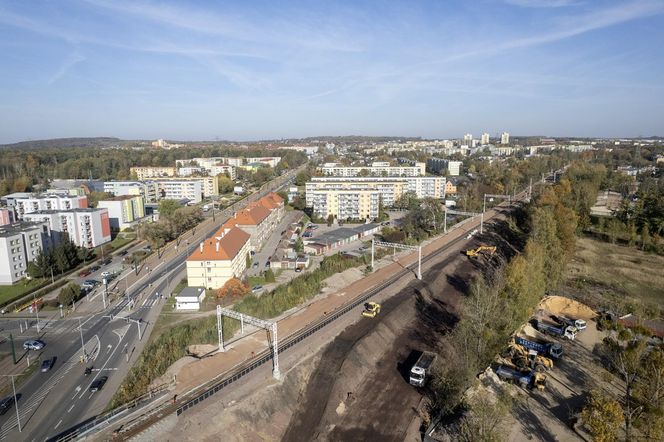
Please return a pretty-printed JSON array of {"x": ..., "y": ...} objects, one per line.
[
  {"x": 72, "y": 406},
  {"x": 108, "y": 348},
  {"x": 76, "y": 392},
  {"x": 57, "y": 425},
  {"x": 146, "y": 300}
]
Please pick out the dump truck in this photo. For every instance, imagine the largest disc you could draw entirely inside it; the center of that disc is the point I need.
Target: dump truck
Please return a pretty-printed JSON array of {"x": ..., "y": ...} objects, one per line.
[
  {"x": 482, "y": 249},
  {"x": 422, "y": 368},
  {"x": 526, "y": 379},
  {"x": 527, "y": 358},
  {"x": 551, "y": 349},
  {"x": 371, "y": 309},
  {"x": 565, "y": 331},
  {"x": 580, "y": 324}
]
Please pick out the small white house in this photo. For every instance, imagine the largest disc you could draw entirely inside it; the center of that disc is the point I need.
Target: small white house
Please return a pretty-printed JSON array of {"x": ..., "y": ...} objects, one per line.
[{"x": 190, "y": 298}]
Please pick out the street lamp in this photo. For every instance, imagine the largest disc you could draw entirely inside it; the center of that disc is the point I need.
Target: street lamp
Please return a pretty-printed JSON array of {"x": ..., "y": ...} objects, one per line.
[
  {"x": 80, "y": 328},
  {"x": 18, "y": 416}
]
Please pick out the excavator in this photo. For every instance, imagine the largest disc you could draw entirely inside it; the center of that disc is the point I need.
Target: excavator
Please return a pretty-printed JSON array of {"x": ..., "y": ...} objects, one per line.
[
  {"x": 481, "y": 250},
  {"x": 525, "y": 358},
  {"x": 371, "y": 309}
]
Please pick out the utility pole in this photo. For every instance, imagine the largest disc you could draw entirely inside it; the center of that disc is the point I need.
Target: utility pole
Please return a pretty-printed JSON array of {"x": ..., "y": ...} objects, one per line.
[
  {"x": 11, "y": 341},
  {"x": 80, "y": 329},
  {"x": 18, "y": 417}
]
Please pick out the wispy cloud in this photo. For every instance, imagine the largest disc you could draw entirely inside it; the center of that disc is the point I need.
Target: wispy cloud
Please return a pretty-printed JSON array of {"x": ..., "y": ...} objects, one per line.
[{"x": 67, "y": 64}]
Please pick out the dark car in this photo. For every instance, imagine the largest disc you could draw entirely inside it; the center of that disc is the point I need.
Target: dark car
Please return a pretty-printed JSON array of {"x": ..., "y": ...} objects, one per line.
[
  {"x": 94, "y": 268},
  {"x": 47, "y": 364},
  {"x": 123, "y": 253},
  {"x": 106, "y": 261},
  {"x": 98, "y": 384},
  {"x": 6, "y": 404},
  {"x": 88, "y": 371},
  {"x": 85, "y": 272}
]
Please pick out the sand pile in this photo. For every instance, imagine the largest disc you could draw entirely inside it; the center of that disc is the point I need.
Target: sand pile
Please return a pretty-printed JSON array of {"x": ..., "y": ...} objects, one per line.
[
  {"x": 201, "y": 350},
  {"x": 559, "y": 305}
]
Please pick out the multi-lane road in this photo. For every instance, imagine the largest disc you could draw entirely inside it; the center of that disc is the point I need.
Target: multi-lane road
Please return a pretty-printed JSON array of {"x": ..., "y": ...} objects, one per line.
[{"x": 52, "y": 402}]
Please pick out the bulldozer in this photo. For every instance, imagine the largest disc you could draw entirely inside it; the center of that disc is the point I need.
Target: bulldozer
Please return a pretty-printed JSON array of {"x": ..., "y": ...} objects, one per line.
[
  {"x": 481, "y": 250},
  {"x": 524, "y": 358},
  {"x": 371, "y": 309}
]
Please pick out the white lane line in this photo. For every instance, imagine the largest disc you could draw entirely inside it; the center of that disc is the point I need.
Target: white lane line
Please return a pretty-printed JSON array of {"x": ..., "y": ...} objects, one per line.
[
  {"x": 57, "y": 425},
  {"x": 146, "y": 300},
  {"x": 70, "y": 408},
  {"x": 76, "y": 392}
]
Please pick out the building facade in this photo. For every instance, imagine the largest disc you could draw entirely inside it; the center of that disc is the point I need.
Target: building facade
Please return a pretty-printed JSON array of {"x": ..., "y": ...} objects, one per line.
[
  {"x": 20, "y": 243},
  {"x": 146, "y": 172},
  {"x": 505, "y": 138},
  {"x": 376, "y": 169},
  {"x": 24, "y": 203},
  {"x": 360, "y": 197},
  {"x": 148, "y": 189},
  {"x": 87, "y": 228},
  {"x": 6, "y": 216},
  {"x": 124, "y": 211},
  {"x": 180, "y": 187},
  {"x": 485, "y": 139}
]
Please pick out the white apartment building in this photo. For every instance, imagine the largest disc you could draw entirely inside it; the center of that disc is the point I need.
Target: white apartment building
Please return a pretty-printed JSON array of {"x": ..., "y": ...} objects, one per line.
[
  {"x": 212, "y": 165},
  {"x": 124, "y": 211},
  {"x": 309, "y": 150},
  {"x": 359, "y": 197},
  {"x": 485, "y": 139},
  {"x": 84, "y": 227},
  {"x": 376, "y": 169},
  {"x": 20, "y": 244},
  {"x": 505, "y": 138},
  {"x": 454, "y": 168},
  {"x": 148, "y": 189},
  {"x": 468, "y": 140},
  {"x": 145, "y": 172},
  {"x": 266, "y": 161},
  {"x": 24, "y": 203},
  {"x": 182, "y": 185}
]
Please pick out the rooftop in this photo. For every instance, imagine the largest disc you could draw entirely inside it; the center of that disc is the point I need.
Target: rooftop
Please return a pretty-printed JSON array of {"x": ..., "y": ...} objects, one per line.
[
  {"x": 13, "y": 229},
  {"x": 224, "y": 246},
  {"x": 343, "y": 233}
]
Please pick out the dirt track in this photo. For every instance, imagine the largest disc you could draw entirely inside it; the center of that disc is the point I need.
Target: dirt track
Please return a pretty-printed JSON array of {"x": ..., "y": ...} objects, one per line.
[{"x": 360, "y": 391}]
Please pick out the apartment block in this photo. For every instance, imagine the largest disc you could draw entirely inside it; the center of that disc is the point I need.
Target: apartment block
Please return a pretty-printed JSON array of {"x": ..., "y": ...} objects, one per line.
[
  {"x": 376, "y": 169},
  {"x": 260, "y": 218},
  {"x": 147, "y": 189},
  {"x": 6, "y": 216},
  {"x": 440, "y": 165},
  {"x": 87, "y": 228},
  {"x": 23, "y": 203},
  {"x": 20, "y": 244},
  {"x": 208, "y": 162},
  {"x": 145, "y": 172},
  {"x": 360, "y": 197},
  {"x": 219, "y": 259},
  {"x": 124, "y": 211},
  {"x": 266, "y": 161},
  {"x": 181, "y": 187}
]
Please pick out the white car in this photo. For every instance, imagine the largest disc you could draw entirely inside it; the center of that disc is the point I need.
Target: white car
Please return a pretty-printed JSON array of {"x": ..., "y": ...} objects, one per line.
[
  {"x": 33, "y": 345},
  {"x": 105, "y": 274}
]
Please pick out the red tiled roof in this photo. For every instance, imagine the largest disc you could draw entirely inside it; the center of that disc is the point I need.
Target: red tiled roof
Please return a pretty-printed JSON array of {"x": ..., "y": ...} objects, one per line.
[
  {"x": 230, "y": 245},
  {"x": 252, "y": 215}
]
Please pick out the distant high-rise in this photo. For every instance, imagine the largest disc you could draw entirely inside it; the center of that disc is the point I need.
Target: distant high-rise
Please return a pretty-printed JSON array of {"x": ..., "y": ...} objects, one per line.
[
  {"x": 505, "y": 138},
  {"x": 467, "y": 139},
  {"x": 485, "y": 139}
]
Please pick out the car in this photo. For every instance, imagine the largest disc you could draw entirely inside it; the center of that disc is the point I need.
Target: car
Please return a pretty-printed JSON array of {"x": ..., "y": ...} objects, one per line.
[
  {"x": 84, "y": 273},
  {"x": 33, "y": 344},
  {"x": 6, "y": 404},
  {"x": 298, "y": 270},
  {"x": 256, "y": 288},
  {"x": 92, "y": 282},
  {"x": 267, "y": 264},
  {"x": 105, "y": 274},
  {"x": 88, "y": 371},
  {"x": 252, "y": 253},
  {"x": 47, "y": 364},
  {"x": 98, "y": 384},
  {"x": 255, "y": 265},
  {"x": 94, "y": 268},
  {"x": 106, "y": 261},
  {"x": 123, "y": 253}
]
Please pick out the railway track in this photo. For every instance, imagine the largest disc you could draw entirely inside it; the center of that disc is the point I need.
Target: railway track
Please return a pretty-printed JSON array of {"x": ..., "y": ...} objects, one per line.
[{"x": 195, "y": 397}]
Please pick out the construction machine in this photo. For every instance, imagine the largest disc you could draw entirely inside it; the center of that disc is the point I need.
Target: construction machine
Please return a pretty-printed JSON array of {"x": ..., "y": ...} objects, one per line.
[
  {"x": 481, "y": 250},
  {"x": 527, "y": 358},
  {"x": 371, "y": 309}
]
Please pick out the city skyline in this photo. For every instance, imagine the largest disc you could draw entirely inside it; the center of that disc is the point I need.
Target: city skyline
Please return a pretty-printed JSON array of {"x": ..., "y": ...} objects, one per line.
[{"x": 198, "y": 71}]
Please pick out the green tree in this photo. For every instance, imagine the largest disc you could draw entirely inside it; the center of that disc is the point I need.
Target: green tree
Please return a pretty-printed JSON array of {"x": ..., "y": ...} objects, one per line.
[
  {"x": 69, "y": 294},
  {"x": 299, "y": 245},
  {"x": 646, "y": 240},
  {"x": 225, "y": 184},
  {"x": 302, "y": 177},
  {"x": 486, "y": 418},
  {"x": 603, "y": 417},
  {"x": 269, "y": 276},
  {"x": 167, "y": 208},
  {"x": 330, "y": 220}
]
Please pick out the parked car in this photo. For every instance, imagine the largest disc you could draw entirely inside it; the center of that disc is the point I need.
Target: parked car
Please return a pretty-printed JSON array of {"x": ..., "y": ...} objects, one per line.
[
  {"x": 47, "y": 364},
  {"x": 98, "y": 384},
  {"x": 255, "y": 265},
  {"x": 94, "y": 268},
  {"x": 84, "y": 273},
  {"x": 267, "y": 264},
  {"x": 106, "y": 261},
  {"x": 6, "y": 404},
  {"x": 257, "y": 288},
  {"x": 33, "y": 344},
  {"x": 298, "y": 270},
  {"x": 106, "y": 274},
  {"x": 123, "y": 253}
]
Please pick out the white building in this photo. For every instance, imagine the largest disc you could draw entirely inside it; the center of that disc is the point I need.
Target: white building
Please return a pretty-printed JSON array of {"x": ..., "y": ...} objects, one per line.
[
  {"x": 148, "y": 189},
  {"x": 124, "y": 211},
  {"x": 505, "y": 138},
  {"x": 212, "y": 165},
  {"x": 20, "y": 244},
  {"x": 309, "y": 150},
  {"x": 376, "y": 169},
  {"x": 87, "y": 228},
  {"x": 485, "y": 139},
  {"x": 454, "y": 168},
  {"x": 190, "y": 298},
  {"x": 468, "y": 139},
  {"x": 24, "y": 203},
  {"x": 177, "y": 190}
]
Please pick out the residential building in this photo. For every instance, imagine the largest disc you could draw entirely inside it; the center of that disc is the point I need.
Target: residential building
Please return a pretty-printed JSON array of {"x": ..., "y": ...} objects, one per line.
[
  {"x": 87, "y": 228},
  {"x": 266, "y": 161},
  {"x": 468, "y": 140},
  {"x": 454, "y": 168},
  {"x": 440, "y": 165},
  {"x": 309, "y": 150},
  {"x": 20, "y": 244},
  {"x": 376, "y": 169},
  {"x": 219, "y": 259},
  {"x": 76, "y": 187},
  {"x": 260, "y": 218},
  {"x": 145, "y": 172},
  {"x": 6, "y": 216},
  {"x": 213, "y": 166},
  {"x": 505, "y": 138},
  {"x": 124, "y": 211},
  {"x": 360, "y": 197},
  {"x": 23, "y": 203},
  {"x": 147, "y": 189},
  {"x": 485, "y": 139},
  {"x": 450, "y": 188},
  {"x": 182, "y": 186}
]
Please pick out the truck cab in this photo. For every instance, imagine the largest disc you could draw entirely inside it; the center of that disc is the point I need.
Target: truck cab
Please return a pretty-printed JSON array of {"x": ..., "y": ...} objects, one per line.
[{"x": 418, "y": 374}]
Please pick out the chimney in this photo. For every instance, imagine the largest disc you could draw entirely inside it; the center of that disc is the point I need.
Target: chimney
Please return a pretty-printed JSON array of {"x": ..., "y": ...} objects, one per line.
[
  {"x": 201, "y": 247},
  {"x": 235, "y": 215},
  {"x": 217, "y": 246}
]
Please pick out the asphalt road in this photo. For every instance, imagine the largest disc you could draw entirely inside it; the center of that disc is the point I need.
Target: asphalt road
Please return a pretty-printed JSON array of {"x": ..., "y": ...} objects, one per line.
[{"x": 49, "y": 403}]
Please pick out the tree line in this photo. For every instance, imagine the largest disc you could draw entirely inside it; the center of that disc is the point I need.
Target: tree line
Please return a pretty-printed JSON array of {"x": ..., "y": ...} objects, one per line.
[{"x": 58, "y": 259}]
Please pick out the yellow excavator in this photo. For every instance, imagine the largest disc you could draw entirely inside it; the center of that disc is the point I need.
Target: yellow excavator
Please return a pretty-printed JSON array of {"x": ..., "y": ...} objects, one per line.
[
  {"x": 525, "y": 358},
  {"x": 371, "y": 309},
  {"x": 481, "y": 250}
]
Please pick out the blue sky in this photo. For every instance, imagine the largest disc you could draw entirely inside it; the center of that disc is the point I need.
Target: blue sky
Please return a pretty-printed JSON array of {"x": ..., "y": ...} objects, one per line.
[{"x": 247, "y": 70}]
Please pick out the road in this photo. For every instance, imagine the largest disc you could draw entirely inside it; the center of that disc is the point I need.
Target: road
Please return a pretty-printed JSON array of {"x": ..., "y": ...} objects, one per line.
[{"x": 52, "y": 402}]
